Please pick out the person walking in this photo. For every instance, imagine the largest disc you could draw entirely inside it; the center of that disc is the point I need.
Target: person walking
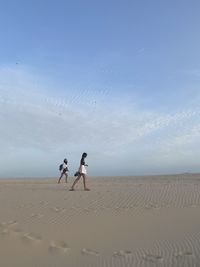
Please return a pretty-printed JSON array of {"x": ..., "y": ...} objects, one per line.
[
  {"x": 81, "y": 173},
  {"x": 63, "y": 169}
]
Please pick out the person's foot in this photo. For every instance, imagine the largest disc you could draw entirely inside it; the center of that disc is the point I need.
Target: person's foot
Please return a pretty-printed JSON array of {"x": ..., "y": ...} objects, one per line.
[
  {"x": 71, "y": 189},
  {"x": 86, "y": 189}
]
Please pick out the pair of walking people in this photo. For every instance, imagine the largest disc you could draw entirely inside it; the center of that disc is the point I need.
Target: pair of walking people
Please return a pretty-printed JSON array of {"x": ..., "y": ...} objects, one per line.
[{"x": 80, "y": 173}]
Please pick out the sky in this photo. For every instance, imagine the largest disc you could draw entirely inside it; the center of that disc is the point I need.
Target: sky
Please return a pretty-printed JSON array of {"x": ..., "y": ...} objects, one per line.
[{"x": 119, "y": 80}]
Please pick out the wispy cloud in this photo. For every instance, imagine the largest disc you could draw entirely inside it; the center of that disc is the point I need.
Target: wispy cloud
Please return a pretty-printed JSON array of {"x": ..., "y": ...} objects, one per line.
[{"x": 35, "y": 121}]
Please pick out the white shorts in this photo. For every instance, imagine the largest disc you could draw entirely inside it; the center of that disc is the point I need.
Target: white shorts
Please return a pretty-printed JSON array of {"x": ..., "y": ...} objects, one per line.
[{"x": 82, "y": 169}]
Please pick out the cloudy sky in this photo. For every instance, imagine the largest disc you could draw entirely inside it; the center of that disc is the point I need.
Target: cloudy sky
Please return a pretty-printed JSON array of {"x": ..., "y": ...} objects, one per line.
[{"x": 119, "y": 80}]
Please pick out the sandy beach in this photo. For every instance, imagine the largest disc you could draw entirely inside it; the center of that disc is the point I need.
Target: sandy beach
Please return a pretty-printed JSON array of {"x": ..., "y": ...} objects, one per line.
[{"x": 122, "y": 221}]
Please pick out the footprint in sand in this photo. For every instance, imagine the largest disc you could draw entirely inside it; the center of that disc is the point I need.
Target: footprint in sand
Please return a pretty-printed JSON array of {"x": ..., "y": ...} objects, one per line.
[
  {"x": 43, "y": 203},
  {"x": 182, "y": 254},
  {"x": 186, "y": 205},
  {"x": 90, "y": 252},
  {"x": 27, "y": 206},
  {"x": 22, "y": 206},
  {"x": 86, "y": 210},
  {"x": 193, "y": 206},
  {"x": 3, "y": 224},
  {"x": 37, "y": 216},
  {"x": 122, "y": 253},
  {"x": 53, "y": 248},
  {"x": 29, "y": 238},
  {"x": 8, "y": 224},
  {"x": 152, "y": 206},
  {"x": 5, "y": 232},
  {"x": 12, "y": 223},
  {"x": 63, "y": 246},
  {"x": 152, "y": 258},
  {"x": 57, "y": 248},
  {"x": 58, "y": 209}
]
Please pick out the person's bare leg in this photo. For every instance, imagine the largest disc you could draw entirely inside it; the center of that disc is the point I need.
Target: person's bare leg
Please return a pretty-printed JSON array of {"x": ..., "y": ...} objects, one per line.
[
  {"x": 75, "y": 182},
  {"x": 66, "y": 176},
  {"x": 84, "y": 183},
  {"x": 60, "y": 178}
]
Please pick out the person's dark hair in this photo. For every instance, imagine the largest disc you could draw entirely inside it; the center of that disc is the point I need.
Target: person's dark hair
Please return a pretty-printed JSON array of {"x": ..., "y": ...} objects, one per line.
[
  {"x": 65, "y": 160},
  {"x": 84, "y": 155}
]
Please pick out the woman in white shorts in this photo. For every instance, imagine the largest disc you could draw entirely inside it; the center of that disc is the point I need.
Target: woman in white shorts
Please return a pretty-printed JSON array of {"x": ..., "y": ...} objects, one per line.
[
  {"x": 63, "y": 170},
  {"x": 81, "y": 172}
]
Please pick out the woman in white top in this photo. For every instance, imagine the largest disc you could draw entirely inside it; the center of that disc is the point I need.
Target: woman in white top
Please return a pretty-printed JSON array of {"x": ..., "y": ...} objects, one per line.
[
  {"x": 81, "y": 172},
  {"x": 63, "y": 170}
]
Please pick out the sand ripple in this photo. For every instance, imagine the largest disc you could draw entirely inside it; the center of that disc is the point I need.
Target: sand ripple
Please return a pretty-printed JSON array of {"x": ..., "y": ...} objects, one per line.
[{"x": 122, "y": 221}]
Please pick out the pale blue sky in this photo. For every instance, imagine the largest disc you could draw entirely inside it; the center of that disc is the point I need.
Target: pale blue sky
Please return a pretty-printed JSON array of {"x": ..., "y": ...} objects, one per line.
[{"x": 117, "y": 79}]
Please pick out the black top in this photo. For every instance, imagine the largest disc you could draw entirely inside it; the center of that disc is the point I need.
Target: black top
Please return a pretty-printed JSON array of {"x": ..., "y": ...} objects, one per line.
[{"x": 82, "y": 161}]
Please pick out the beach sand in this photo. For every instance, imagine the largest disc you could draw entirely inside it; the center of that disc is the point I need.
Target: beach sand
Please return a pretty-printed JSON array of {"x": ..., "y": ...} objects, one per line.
[{"x": 122, "y": 221}]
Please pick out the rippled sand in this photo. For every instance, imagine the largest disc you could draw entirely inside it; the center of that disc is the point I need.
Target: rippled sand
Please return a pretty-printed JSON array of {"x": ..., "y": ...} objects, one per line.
[{"x": 122, "y": 221}]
